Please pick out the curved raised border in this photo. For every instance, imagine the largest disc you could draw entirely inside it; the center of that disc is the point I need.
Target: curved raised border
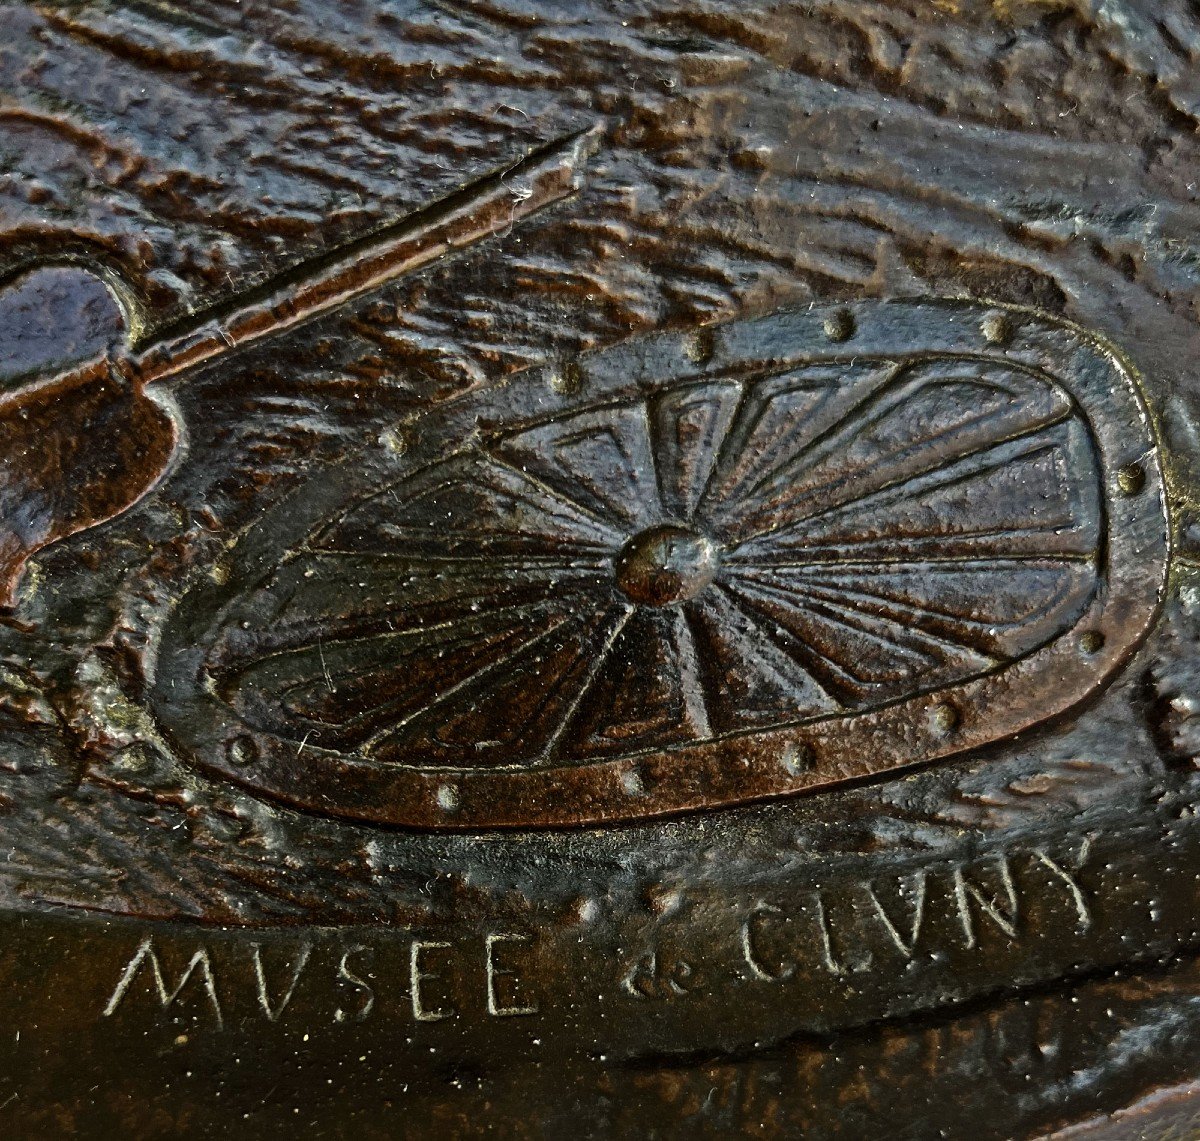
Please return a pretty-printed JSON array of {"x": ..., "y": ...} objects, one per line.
[{"x": 754, "y": 764}]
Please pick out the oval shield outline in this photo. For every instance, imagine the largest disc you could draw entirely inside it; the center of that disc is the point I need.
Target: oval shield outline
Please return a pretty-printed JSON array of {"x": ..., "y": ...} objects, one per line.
[{"x": 813, "y": 754}]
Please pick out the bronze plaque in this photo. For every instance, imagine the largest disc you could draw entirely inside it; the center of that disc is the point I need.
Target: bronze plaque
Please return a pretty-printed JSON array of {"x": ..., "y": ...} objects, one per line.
[{"x": 587, "y": 569}]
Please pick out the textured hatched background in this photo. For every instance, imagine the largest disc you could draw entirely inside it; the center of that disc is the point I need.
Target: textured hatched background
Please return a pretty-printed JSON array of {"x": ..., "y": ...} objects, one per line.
[{"x": 753, "y": 155}]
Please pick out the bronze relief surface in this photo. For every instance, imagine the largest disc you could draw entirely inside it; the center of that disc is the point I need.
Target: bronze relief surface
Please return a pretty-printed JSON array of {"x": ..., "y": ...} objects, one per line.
[
  {"x": 597, "y": 569},
  {"x": 788, "y": 565}
]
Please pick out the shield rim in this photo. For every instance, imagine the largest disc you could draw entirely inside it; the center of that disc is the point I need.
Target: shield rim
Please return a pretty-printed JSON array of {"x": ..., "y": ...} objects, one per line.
[{"x": 754, "y": 764}]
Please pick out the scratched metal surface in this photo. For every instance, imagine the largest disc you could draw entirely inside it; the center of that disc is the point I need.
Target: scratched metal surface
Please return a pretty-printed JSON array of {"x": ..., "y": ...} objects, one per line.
[{"x": 740, "y": 159}]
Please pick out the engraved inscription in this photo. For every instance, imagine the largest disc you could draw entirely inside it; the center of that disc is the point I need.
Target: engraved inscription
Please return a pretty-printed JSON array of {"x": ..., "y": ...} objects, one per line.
[
  {"x": 352, "y": 975},
  {"x": 492, "y": 977},
  {"x": 273, "y": 1008},
  {"x": 502, "y": 979},
  {"x": 906, "y": 943},
  {"x": 928, "y": 912},
  {"x": 419, "y": 974},
  {"x": 935, "y": 919},
  {"x": 146, "y": 958}
]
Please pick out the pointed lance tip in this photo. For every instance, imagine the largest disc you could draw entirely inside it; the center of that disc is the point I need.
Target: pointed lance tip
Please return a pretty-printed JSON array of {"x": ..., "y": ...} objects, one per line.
[{"x": 488, "y": 207}]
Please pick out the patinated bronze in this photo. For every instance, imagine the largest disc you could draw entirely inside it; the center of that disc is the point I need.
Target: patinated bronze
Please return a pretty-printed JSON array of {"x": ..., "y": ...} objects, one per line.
[{"x": 585, "y": 569}]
